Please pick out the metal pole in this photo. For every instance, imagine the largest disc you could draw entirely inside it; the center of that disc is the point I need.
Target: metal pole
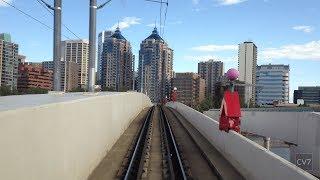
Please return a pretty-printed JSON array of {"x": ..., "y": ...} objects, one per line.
[
  {"x": 142, "y": 74},
  {"x": 266, "y": 142},
  {"x": 57, "y": 46},
  {"x": 133, "y": 72},
  {"x": 92, "y": 44}
]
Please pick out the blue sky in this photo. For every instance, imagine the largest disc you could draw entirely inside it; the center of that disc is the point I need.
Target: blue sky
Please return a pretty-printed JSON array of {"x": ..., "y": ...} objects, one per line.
[{"x": 285, "y": 31}]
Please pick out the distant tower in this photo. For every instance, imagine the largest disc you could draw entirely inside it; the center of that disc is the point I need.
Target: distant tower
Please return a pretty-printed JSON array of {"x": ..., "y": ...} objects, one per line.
[
  {"x": 155, "y": 67},
  {"x": 101, "y": 39},
  {"x": 77, "y": 51},
  {"x": 8, "y": 62},
  {"x": 117, "y": 63},
  {"x": 274, "y": 80},
  {"x": 211, "y": 71},
  {"x": 247, "y": 66}
]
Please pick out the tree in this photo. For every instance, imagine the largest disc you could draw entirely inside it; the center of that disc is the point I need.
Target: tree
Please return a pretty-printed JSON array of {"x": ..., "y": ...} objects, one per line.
[
  {"x": 35, "y": 90},
  {"x": 205, "y": 105},
  {"x": 78, "y": 89},
  {"x": 5, "y": 91}
]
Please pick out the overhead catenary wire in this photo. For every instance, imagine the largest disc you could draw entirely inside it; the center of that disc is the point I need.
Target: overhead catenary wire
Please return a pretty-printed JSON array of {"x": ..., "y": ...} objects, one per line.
[
  {"x": 165, "y": 17},
  {"x": 162, "y": 23},
  {"x": 68, "y": 29},
  {"x": 30, "y": 16}
]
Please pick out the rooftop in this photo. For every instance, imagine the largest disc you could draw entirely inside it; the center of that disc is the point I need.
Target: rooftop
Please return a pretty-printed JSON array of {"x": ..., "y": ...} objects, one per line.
[
  {"x": 117, "y": 34},
  {"x": 155, "y": 35}
]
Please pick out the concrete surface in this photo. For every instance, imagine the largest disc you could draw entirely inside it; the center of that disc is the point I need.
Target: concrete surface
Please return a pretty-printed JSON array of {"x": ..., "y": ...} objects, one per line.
[
  {"x": 111, "y": 163},
  {"x": 252, "y": 161},
  {"x": 299, "y": 127},
  {"x": 62, "y": 136},
  {"x": 222, "y": 166}
]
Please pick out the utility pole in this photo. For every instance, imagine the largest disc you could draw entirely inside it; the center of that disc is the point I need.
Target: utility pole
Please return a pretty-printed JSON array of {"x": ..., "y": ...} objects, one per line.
[
  {"x": 56, "y": 43},
  {"x": 92, "y": 42}
]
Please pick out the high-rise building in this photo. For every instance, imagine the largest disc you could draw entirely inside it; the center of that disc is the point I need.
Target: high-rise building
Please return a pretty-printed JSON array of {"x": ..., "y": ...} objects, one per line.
[
  {"x": 31, "y": 76},
  {"x": 34, "y": 64},
  {"x": 48, "y": 65},
  {"x": 8, "y": 61},
  {"x": 223, "y": 85},
  {"x": 77, "y": 51},
  {"x": 101, "y": 39},
  {"x": 272, "y": 84},
  {"x": 69, "y": 75},
  {"x": 117, "y": 63},
  {"x": 309, "y": 94},
  {"x": 190, "y": 88},
  {"x": 211, "y": 71},
  {"x": 21, "y": 59},
  {"x": 155, "y": 67},
  {"x": 247, "y": 66}
]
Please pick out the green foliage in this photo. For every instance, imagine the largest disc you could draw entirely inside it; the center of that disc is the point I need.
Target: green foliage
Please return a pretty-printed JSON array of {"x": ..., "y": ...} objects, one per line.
[
  {"x": 7, "y": 91},
  {"x": 78, "y": 89},
  {"x": 205, "y": 105},
  {"x": 34, "y": 90}
]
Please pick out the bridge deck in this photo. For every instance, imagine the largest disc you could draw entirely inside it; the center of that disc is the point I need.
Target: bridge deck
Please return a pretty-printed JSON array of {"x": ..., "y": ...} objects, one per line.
[{"x": 200, "y": 158}]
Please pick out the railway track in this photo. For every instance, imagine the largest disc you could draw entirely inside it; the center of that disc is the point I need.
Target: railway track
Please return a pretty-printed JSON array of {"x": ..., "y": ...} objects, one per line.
[{"x": 177, "y": 150}]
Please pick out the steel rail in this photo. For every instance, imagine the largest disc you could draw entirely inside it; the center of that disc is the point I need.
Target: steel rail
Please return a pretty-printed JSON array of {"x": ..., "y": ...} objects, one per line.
[
  {"x": 131, "y": 173},
  {"x": 173, "y": 154}
]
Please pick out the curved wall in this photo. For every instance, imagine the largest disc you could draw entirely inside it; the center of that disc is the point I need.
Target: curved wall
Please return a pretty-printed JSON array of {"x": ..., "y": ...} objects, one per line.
[{"x": 62, "y": 136}]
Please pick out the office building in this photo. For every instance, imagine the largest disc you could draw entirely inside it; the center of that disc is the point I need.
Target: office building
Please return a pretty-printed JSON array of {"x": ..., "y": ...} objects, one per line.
[
  {"x": 21, "y": 59},
  {"x": 31, "y": 76},
  {"x": 211, "y": 71},
  {"x": 48, "y": 65},
  {"x": 69, "y": 75},
  {"x": 272, "y": 84},
  {"x": 77, "y": 51},
  {"x": 8, "y": 62},
  {"x": 190, "y": 88},
  {"x": 101, "y": 39},
  {"x": 247, "y": 66},
  {"x": 309, "y": 94},
  {"x": 223, "y": 85},
  {"x": 117, "y": 63},
  {"x": 155, "y": 67}
]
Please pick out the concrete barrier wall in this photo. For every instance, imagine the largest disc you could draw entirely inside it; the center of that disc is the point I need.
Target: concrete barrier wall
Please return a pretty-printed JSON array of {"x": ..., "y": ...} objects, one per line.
[
  {"x": 64, "y": 140},
  {"x": 301, "y": 128},
  {"x": 253, "y": 161}
]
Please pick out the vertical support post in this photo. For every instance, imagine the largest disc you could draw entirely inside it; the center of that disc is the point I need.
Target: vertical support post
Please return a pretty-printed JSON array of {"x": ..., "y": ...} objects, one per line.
[
  {"x": 266, "y": 142},
  {"x": 57, "y": 46},
  {"x": 92, "y": 44}
]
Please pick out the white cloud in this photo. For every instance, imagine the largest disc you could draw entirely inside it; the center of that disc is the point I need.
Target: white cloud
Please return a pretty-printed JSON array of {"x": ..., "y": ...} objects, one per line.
[
  {"x": 307, "y": 51},
  {"x": 3, "y": 4},
  {"x": 230, "y": 2},
  {"x": 195, "y": 1},
  {"x": 303, "y": 28},
  {"x": 126, "y": 23},
  {"x": 210, "y": 57},
  {"x": 215, "y": 48},
  {"x": 154, "y": 25}
]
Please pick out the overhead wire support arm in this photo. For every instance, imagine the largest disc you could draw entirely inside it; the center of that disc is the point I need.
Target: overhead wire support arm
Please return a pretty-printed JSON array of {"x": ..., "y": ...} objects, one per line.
[
  {"x": 161, "y": 2},
  {"x": 48, "y": 5},
  {"x": 102, "y": 5}
]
